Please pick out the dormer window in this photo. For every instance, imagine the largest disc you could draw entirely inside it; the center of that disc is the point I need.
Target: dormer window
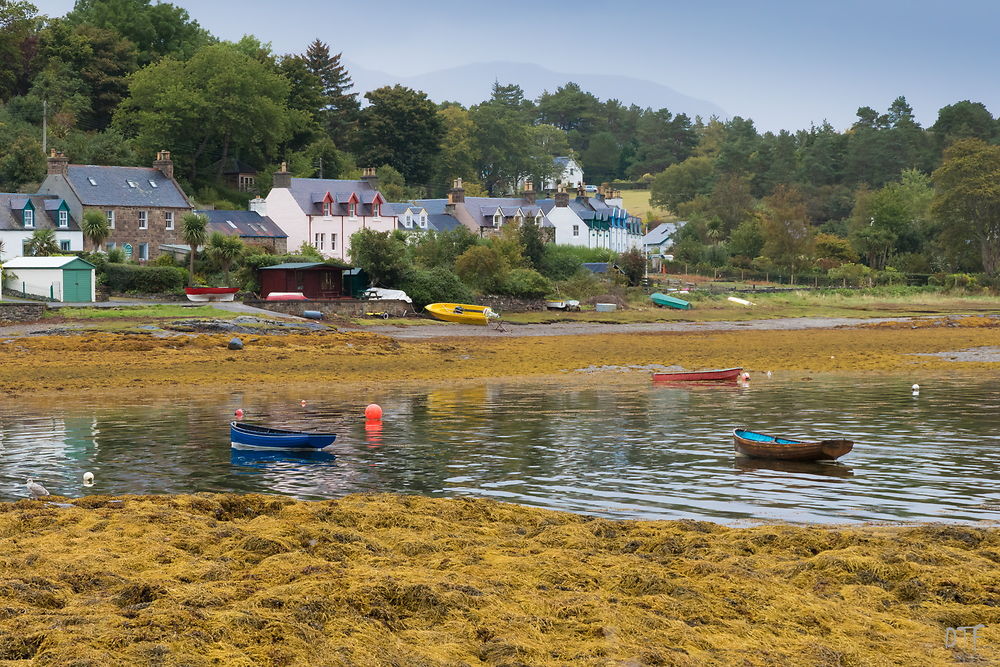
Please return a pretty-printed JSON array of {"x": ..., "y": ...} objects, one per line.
[
  {"x": 497, "y": 219},
  {"x": 29, "y": 218},
  {"x": 326, "y": 208},
  {"x": 423, "y": 220},
  {"x": 376, "y": 209},
  {"x": 409, "y": 219},
  {"x": 132, "y": 184},
  {"x": 538, "y": 218},
  {"x": 352, "y": 209},
  {"x": 63, "y": 219},
  {"x": 90, "y": 179}
]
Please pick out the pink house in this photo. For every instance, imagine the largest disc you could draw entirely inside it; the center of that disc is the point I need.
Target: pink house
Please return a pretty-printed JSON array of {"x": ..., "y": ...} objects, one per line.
[{"x": 325, "y": 212}]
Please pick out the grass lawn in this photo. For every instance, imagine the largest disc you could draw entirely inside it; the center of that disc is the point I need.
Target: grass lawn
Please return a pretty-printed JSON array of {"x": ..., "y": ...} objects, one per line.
[
  {"x": 140, "y": 312},
  {"x": 637, "y": 203}
]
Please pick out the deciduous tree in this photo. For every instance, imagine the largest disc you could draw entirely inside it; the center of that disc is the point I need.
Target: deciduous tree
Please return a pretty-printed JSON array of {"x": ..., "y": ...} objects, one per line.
[{"x": 401, "y": 128}]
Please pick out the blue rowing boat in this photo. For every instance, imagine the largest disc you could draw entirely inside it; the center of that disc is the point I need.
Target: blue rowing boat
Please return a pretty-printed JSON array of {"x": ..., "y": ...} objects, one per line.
[{"x": 250, "y": 436}]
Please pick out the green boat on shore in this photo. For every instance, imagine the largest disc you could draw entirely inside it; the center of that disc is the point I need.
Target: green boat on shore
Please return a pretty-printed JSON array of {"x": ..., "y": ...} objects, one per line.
[{"x": 661, "y": 299}]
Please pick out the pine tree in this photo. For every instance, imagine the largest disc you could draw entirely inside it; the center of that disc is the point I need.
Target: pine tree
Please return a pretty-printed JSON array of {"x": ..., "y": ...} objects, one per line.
[{"x": 341, "y": 109}]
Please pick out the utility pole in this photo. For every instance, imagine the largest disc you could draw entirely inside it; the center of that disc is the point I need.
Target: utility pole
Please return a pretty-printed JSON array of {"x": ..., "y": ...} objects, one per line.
[
  {"x": 320, "y": 159},
  {"x": 45, "y": 127}
]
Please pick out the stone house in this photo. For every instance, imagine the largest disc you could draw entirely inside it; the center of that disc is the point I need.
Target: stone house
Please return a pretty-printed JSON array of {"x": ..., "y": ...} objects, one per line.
[
  {"x": 143, "y": 205},
  {"x": 486, "y": 216}
]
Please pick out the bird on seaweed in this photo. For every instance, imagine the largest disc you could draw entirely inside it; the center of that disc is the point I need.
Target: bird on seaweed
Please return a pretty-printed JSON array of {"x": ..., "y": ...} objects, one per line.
[{"x": 35, "y": 489}]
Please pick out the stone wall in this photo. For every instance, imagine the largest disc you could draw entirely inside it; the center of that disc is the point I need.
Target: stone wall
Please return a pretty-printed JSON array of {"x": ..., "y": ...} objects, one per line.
[
  {"x": 14, "y": 312},
  {"x": 342, "y": 307},
  {"x": 509, "y": 304}
]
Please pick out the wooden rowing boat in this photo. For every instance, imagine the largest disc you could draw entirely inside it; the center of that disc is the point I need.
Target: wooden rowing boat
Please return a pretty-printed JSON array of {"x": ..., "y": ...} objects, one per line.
[
  {"x": 251, "y": 436},
  {"x": 463, "y": 313},
  {"x": 762, "y": 446},
  {"x": 718, "y": 375},
  {"x": 211, "y": 293}
]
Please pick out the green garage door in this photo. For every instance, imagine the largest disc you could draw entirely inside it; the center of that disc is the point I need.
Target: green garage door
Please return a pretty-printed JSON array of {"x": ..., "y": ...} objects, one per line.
[{"x": 76, "y": 285}]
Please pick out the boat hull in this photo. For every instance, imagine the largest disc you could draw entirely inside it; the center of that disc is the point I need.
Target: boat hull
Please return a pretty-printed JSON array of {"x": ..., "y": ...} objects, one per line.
[
  {"x": 718, "y": 375},
  {"x": 211, "y": 293},
  {"x": 761, "y": 446},
  {"x": 661, "y": 299},
  {"x": 248, "y": 436},
  {"x": 463, "y": 313}
]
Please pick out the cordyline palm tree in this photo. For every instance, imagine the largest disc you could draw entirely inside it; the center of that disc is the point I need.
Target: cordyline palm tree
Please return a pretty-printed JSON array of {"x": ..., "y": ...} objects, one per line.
[
  {"x": 193, "y": 231},
  {"x": 225, "y": 250},
  {"x": 42, "y": 243},
  {"x": 95, "y": 227}
]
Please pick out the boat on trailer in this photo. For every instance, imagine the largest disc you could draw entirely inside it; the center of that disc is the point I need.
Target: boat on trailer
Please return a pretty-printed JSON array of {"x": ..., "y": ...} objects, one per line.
[
  {"x": 717, "y": 375},
  {"x": 251, "y": 436},
  {"x": 763, "y": 446}
]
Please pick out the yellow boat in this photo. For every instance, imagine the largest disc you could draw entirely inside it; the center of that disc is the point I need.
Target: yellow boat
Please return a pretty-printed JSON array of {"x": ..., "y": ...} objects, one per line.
[{"x": 462, "y": 313}]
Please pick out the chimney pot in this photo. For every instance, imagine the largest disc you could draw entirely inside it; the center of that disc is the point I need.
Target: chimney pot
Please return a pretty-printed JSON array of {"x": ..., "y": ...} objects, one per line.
[
  {"x": 57, "y": 163},
  {"x": 164, "y": 164},
  {"x": 281, "y": 178}
]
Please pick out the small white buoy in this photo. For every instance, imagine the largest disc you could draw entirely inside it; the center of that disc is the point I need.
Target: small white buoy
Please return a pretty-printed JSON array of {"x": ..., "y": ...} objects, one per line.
[
  {"x": 88, "y": 479},
  {"x": 916, "y": 389},
  {"x": 302, "y": 402},
  {"x": 746, "y": 377},
  {"x": 769, "y": 374}
]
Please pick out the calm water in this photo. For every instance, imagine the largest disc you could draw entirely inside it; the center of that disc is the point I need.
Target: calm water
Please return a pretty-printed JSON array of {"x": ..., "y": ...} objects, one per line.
[{"x": 624, "y": 449}]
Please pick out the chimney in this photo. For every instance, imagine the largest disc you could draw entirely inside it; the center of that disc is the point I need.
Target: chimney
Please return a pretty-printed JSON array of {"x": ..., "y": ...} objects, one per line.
[
  {"x": 457, "y": 193},
  {"x": 58, "y": 163},
  {"x": 529, "y": 192},
  {"x": 164, "y": 164},
  {"x": 369, "y": 177},
  {"x": 580, "y": 190},
  {"x": 562, "y": 197},
  {"x": 282, "y": 179},
  {"x": 600, "y": 192},
  {"x": 258, "y": 206}
]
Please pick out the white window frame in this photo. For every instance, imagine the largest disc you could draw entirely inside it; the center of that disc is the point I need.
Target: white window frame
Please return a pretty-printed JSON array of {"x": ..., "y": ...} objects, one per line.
[
  {"x": 143, "y": 219},
  {"x": 65, "y": 245},
  {"x": 576, "y": 230},
  {"x": 28, "y": 216},
  {"x": 376, "y": 210},
  {"x": 168, "y": 219},
  {"x": 497, "y": 219},
  {"x": 143, "y": 251},
  {"x": 352, "y": 210},
  {"x": 423, "y": 220},
  {"x": 63, "y": 218},
  {"x": 333, "y": 241},
  {"x": 110, "y": 215},
  {"x": 319, "y": 240}
]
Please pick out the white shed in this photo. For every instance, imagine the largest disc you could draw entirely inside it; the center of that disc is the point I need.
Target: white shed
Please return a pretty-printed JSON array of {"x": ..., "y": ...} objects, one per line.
[{"x": 69, "y": 279}]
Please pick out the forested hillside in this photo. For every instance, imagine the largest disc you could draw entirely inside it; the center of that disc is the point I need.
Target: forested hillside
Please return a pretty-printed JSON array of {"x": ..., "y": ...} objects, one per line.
[{"x": 114, "y": 81}]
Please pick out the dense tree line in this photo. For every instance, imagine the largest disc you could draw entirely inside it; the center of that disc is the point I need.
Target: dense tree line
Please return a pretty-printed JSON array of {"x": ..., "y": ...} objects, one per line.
[{"x": 117, "y": 80}]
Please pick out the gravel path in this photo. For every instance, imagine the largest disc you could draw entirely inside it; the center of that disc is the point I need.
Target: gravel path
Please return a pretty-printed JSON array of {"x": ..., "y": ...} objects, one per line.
[{"x": 592, "y": 328}]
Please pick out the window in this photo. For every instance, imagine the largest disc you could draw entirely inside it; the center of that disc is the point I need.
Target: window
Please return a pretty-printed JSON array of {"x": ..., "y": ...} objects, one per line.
[
  {"x": 232, "y": 224},
  {"x": 64, "y": 245},
  {"x": 538, "y": 218},
  {"x": 169, "y": 218},
  {"x": 153, "y": 184},
  {"x": 326, "y": 208},
  {"x": 353, "y": 210},
  {"x": 376, "y": 210},
  {"x": 110, "y": 245},
  {"x": 143, "y": 220},
  {"x": 63, "y": 218},
  {"x": 29, "y": 218},
  {"x": 408, "y": 221},
  {"x": 143, "y": 251},
  {"x": 423, "y": 219},
  {"x": 333, "y": 241},
  {"x": 132, "y": 184},
  {"x": 497, "y": 219},
  {"x": 319, "y": 241},
  {"x": 576, "y": 230},
  {"x": 90, "y": 179},
  {"x": 110, "y": 215},
  {"x": 246, "y": 183}
]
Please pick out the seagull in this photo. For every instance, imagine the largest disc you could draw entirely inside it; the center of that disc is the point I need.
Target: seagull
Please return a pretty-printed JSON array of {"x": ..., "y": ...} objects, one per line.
[{"x": 36, "y": 490}]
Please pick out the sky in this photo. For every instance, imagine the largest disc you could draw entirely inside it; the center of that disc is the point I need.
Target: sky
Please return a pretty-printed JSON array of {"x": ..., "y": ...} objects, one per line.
[{"x": 785, "y": 64}]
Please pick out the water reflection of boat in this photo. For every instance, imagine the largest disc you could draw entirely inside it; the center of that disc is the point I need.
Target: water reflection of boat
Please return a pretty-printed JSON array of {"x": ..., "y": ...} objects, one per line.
[
  {"x": 259, "y": 458},
  {"x": 829, "y": 469},
  {"x": 763, "y": 446}
]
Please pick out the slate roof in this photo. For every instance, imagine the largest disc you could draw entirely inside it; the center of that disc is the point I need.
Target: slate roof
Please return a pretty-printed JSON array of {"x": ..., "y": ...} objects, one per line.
[
  {"x": 310, "y": 192},
  {"x": 442, "y": 222},
  {"x": 293, "y": 265},
  {"x": 659, "y": 234},
  {"x": 109, "y": 186},
  {"x": 46, "y": 216},
  {"x": 246, "y": 224}
]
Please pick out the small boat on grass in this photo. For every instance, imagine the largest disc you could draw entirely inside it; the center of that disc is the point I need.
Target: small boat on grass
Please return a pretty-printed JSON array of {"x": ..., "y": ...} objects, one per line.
[
  {"x": 463, "y": 313},
  {"x": 251, "y": 436},
  {"x": 762, "y": 446},
  {"x": 211, "y": 293},
  {"x": 661, "y": 299},
  {"x": 717, "y": 375}
]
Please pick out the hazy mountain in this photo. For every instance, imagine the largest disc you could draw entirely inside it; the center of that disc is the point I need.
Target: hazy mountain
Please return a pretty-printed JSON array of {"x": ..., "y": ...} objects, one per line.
[{"x": 471, "y": 84}]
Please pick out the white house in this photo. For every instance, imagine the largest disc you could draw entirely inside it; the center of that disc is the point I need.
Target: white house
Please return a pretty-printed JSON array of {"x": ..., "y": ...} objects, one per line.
[
  {"x": 69, "y": 279},
  {"x": 324, "y": 213},
  {"x": 21, "y": 215},
  {"x": 591, "y": 222},
  {"x": 569, "y": 173}
]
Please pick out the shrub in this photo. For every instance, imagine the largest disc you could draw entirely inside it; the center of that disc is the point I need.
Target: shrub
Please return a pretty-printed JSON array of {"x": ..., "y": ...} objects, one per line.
[
  {"x": 144, "y": 279},
  {"x": 526, "y": 284},
  {"x": 116, "y": 256},
  {"x": 435, "y": 285}
]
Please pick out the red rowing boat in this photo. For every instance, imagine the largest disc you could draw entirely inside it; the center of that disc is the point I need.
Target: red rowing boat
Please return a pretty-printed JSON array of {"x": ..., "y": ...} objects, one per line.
[
  {"x": 211, "y": 293},
  {"x": 718, "y": 375}
]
